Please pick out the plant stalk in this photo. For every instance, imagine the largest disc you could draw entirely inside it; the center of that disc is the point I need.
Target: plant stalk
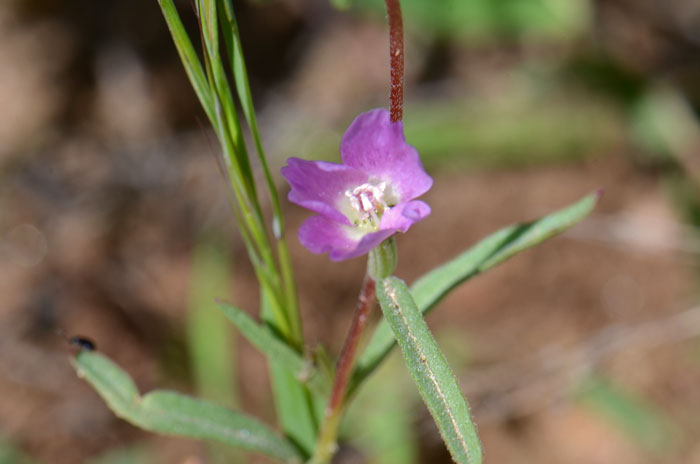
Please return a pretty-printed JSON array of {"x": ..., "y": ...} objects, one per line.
[
  {"x": 393, "y": 9},
  {"x": 327, "y": 440}
]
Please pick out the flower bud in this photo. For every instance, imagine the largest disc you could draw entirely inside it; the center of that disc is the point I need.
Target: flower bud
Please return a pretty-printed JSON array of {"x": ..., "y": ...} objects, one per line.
[{"x": 382, "y": 259}]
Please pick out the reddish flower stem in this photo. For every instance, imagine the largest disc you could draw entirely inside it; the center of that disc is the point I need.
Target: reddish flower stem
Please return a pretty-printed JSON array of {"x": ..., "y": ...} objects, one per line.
[
  {"x": 342, "y": 373},
  {"x": 393, "y": 9},
  {"x": 326, "y": 445}
]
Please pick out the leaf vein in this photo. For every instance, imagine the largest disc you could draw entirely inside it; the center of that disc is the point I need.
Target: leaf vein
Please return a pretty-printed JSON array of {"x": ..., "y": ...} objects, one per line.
[{"x": 431, "y": 375}]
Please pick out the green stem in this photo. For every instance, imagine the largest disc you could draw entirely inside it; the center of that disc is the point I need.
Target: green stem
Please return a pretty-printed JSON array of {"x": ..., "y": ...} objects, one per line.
[
  {"x": 327, "y": 445},
  {"x": 290, "y": 291}
]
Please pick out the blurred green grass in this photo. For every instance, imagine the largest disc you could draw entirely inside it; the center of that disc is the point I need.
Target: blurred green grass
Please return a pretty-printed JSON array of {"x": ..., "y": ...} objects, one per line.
[
  {"x": 638, "y": 418},
  {"x": 10, "y": 454},
  {"x": 132, "y": 454},
  {"x": 521, "y": 127},
  {"x": 487, "y": 20},
  {"x": 380, "y": 421},
  {"x": 210, "y": 336}
]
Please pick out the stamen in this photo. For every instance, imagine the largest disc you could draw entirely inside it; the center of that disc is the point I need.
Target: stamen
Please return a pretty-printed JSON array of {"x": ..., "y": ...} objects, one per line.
[{"x": 368, "y": 202}]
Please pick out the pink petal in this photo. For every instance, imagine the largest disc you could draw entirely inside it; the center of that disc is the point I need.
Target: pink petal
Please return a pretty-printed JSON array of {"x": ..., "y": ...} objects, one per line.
[
  {"x": 321, "y": 235},
  {"x": 320, "y": 186},
  {"x": 404, "y": 215},
  {"x": 376, "y": 146}
]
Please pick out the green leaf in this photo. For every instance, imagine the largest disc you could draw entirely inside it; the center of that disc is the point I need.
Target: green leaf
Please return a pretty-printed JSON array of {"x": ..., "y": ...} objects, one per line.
[
  {"x": 489, "y": 252},
  {"x": 293, "y": 401},
  {"x": 215, "y": 97},
  {"x": 295, "y": 407},
  {"x": 430, "y": 371},
  {"x": 173, "y": 413},
  {"x": 189, "y": 58},
  {"x": 495, "y": 249},
  {"x": 234, "y": 51},
  {"x": 210, "y": 28},
  {"x": 228, "y": 128},
  {"x": 275, "y": 349}
]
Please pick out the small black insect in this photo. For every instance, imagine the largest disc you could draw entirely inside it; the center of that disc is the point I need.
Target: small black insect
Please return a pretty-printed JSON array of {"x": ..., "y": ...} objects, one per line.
[{"x": 81, "y": 343}]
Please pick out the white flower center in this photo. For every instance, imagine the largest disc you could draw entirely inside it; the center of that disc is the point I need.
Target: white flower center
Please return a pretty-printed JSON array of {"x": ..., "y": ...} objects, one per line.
[{"x": 367, "y": 203}]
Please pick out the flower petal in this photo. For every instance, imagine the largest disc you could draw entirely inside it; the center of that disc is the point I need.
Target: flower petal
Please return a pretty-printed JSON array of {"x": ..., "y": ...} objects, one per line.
[
  {"x": 320, "y": 186},
  {"x": 322, "y": 235},
  {"x": 404, "y": 215},
  {"x": 375, "y": 145}
]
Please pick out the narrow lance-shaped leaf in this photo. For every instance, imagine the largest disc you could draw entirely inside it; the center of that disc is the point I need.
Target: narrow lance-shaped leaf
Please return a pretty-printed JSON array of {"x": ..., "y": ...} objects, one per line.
[
  {"x": 240, "y": 77},
  {"x": 430, "y": 371},
  {"x": 210, "y": 34},
  {"x": 492, "y": 250},
  {"x": 234, "y": 51},
  {"x": 279, "y": 298},
  {"x": 189, "y": 57},
  {"x": 228, "y": 127},
  {"x": 293, "y": 402},
  {"x": 173, "y": 413},
  {"x": 222, "y": 114},
  {"x": 268, "y": 343}
]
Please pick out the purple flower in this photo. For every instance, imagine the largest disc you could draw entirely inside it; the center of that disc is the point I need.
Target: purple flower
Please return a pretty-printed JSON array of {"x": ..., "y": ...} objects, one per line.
[{"x": 367, "y": 198}]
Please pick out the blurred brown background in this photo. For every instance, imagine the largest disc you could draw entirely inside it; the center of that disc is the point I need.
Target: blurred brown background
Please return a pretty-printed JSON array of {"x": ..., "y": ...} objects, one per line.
[{"x": 583, "y": 350}]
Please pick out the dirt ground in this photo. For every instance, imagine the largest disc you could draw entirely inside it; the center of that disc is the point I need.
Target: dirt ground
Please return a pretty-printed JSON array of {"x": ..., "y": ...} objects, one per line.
[{"x": 107, "y": 184}]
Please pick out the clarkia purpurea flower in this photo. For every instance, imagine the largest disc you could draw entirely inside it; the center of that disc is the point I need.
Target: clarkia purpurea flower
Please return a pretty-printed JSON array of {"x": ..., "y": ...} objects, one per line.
[{"x": 367, "y": 198}]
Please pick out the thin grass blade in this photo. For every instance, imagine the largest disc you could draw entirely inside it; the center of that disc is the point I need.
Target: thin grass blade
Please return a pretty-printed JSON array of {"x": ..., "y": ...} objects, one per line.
[
  {"x": 190, "y": 60},
  {"x": 240, "y": 77},
  {"x": 234, "y": 51}
]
